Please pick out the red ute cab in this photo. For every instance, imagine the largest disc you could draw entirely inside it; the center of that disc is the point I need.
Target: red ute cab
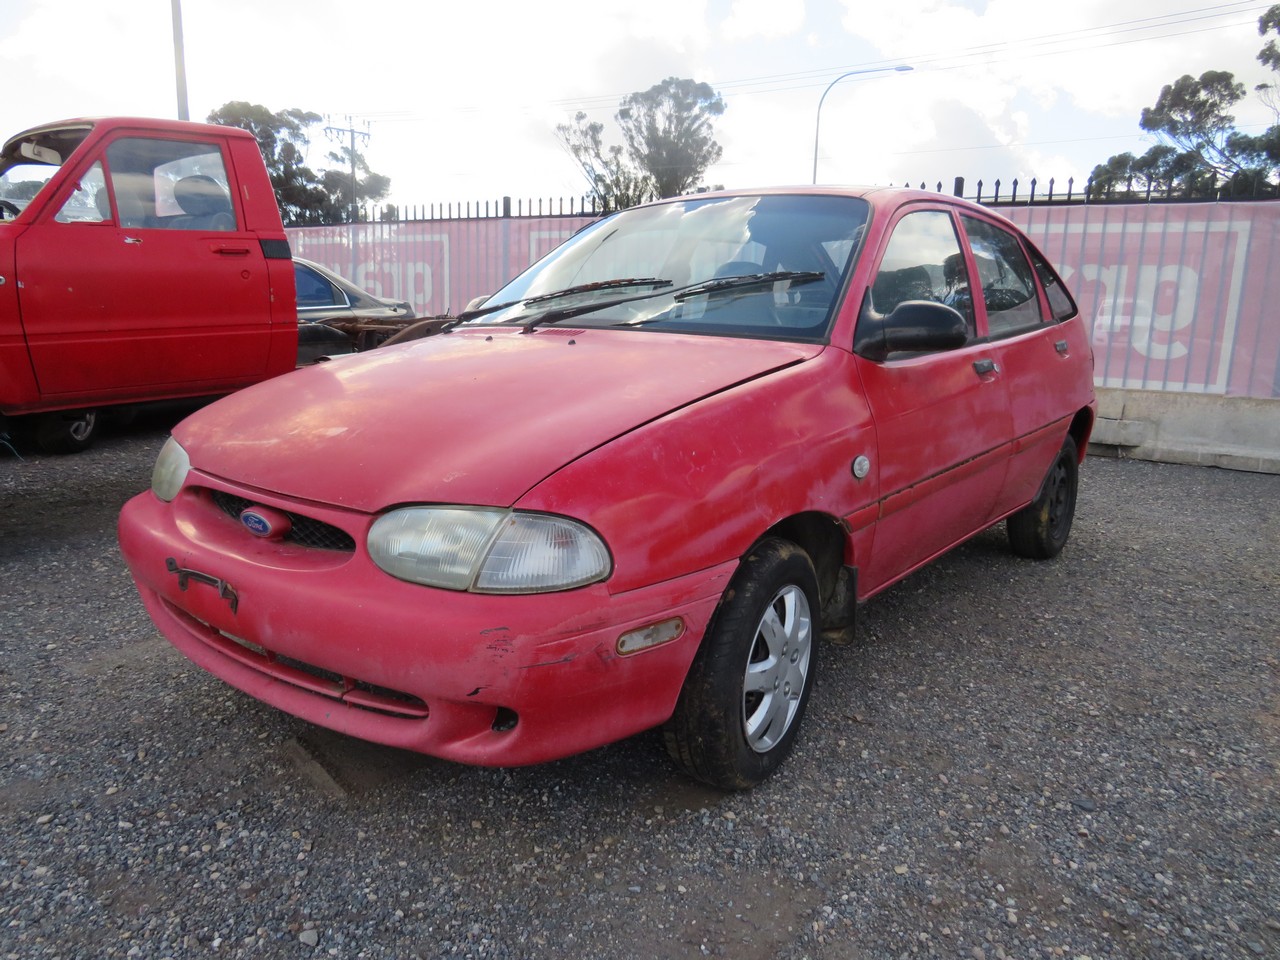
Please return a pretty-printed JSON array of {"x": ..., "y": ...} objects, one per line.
[
  {"x": 634, "y": 486},
  {"x": 140, "y": 260}
]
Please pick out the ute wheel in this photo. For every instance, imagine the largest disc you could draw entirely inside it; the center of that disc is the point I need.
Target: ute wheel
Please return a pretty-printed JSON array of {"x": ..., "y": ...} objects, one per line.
[
  {"x": 66, "y": 431},
  {"x": 744, "y": 698},
  {"x": 1040, "y": 529}
]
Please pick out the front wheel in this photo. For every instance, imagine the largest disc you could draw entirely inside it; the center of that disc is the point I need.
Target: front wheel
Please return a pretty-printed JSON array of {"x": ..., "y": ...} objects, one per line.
[
  {"x": 1040, "y": 529},
  {"x": 744, "y": 698}
]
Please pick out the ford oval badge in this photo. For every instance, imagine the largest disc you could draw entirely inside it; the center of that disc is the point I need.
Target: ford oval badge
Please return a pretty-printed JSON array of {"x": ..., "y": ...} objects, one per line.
[{"x": 265, "y": 522}]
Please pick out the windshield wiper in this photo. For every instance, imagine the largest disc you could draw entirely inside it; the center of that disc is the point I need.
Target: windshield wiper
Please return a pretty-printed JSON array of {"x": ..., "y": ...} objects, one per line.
[
  {"x": 749, "y": 280},
  {"x": 655, "y": 282},
  {"x": 680, "y": 294}
]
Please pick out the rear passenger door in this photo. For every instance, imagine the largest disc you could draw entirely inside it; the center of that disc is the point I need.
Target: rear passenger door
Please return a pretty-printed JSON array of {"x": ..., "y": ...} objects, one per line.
[
  {"x": 127, "y": 294},
  {"x": 1020, "y": 319},
  {"x": 942, "y": 418}
]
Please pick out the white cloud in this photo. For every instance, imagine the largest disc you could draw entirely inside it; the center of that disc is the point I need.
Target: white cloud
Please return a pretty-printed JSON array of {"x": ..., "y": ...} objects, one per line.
[
  {"x": 767, "y": 19},
  {"x": 464, "y": 97}
]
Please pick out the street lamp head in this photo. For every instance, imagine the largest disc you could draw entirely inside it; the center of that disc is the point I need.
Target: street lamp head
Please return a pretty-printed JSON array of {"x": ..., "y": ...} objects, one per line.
[{"x": 817, "y": 123}]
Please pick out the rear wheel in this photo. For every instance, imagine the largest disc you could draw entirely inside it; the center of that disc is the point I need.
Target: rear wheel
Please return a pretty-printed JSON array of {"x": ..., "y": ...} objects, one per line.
[
  {"x": 65, "y": 431},
  {"x": 746, "y": 693},
  {"x": 1040, "y": 530}
]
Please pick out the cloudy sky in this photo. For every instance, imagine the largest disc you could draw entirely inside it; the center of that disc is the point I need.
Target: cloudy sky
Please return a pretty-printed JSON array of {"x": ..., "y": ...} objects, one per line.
[{"x": 461, "y": 98}]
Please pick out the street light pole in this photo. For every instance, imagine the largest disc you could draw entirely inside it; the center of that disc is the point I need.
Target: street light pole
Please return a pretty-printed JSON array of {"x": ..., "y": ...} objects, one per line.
[
  {"x": 179, "y": 60},
  {"x": 901, "y": 68}
]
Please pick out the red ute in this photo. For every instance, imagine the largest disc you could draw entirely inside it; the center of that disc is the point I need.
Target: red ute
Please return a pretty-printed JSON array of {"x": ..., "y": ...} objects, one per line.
[
  {"x": 139, "y": 260},
  {"x": 634, "y": 486}
]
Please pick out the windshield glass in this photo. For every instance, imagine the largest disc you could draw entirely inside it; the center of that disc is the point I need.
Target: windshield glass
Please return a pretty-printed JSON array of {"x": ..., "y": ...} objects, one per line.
[
  {"x": 29, "y": 160},
  {"x": 668, "y": 267},
  {"x": 21, "y": 182}
]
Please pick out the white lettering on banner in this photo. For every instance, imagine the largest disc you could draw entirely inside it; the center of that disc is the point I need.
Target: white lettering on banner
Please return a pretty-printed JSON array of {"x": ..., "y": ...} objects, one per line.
[
  {"x": 1164, "y": 303},
  {"x": 412, "y": 274}
]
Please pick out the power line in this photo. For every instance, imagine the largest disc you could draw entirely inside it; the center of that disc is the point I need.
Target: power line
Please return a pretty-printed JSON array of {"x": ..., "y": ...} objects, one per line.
[{"x": 986, "y": 54}]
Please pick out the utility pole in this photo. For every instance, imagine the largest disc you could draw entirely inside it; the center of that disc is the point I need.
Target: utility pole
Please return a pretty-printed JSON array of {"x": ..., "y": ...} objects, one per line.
[
  {"x": 336, "y": 133},
  {"x": 180, "y": 60}
]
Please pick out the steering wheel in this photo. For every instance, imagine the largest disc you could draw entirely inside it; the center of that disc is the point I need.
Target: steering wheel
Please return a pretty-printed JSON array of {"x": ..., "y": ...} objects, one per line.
[{"x": 10, "y": 209}]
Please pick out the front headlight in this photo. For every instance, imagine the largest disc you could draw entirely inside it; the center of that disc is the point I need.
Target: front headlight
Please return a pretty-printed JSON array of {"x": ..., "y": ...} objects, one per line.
[
  {"x": 170, "y": 470},
  {"x": 487, "y": 550}
]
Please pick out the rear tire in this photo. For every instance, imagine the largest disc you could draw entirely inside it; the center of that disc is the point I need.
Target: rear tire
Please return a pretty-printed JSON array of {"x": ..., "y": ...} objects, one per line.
[
  {"x": 746, "y": 693},
  {"x": 65, "y": 431},
  {"x": 1039, "y": 530}
]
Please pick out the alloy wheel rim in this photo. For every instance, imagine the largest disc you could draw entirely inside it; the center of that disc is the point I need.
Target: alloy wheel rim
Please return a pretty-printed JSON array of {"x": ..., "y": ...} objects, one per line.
[
  {"x": 82, "y": 427},
  {"x": 777, "y": 669}
]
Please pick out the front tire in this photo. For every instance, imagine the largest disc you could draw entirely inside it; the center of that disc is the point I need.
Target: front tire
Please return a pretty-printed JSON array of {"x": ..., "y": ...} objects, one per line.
[
  {"x": 1039, "y": 530},
  {"x": 746, "y": 693}
]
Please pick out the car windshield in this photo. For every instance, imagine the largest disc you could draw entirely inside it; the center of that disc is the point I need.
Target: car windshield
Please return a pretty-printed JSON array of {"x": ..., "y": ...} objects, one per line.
[{"x": 757, "y": 266}]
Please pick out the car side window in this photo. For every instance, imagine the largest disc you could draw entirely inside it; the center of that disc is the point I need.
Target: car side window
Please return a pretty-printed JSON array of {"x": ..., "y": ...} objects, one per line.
[
  {"x": 170, "y": 184},
  {"x": 923, "y": 262},
  {"x": 1008, "y": 285},
  {"x": 1061, "y": 305},
  {"x": 313, "y": 289}
]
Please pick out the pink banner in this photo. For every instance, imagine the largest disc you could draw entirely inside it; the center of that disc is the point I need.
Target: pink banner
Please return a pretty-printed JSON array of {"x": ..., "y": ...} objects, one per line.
[
  {"x": 439, "y": 266},
  {"x": 1179, "y": 297}
]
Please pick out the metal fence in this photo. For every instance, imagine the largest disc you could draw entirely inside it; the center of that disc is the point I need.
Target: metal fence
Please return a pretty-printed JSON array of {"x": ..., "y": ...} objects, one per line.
[{"x": 998, "y": 192}]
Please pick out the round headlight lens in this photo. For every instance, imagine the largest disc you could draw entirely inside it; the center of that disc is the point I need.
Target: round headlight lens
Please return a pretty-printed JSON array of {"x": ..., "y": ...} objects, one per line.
[
  {"x": 172, "y": 466},
  {"x": 487, "y": 550},
  {"x": 436, "y": 546}
]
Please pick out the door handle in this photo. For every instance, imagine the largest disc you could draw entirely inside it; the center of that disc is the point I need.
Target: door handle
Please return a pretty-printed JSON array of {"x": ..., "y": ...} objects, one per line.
[
  {"x": 984, "y": 367},
  {"x": 132, "y": 239},
  {"x": 1062, "y": 347},
  {"x": 228, "y": 251}
]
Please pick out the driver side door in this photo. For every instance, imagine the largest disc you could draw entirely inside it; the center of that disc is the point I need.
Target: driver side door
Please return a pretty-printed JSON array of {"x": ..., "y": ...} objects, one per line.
[
  {"x": 124, "y": 297},
  {"x": 942, "y": 418}
]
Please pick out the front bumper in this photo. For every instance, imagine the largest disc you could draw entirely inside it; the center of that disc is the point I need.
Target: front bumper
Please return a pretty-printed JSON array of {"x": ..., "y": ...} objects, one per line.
[{"x": 327, "y": 636}]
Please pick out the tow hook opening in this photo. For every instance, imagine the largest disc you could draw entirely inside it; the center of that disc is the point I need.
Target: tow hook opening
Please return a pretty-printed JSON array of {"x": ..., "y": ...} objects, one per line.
[{"x": 505, "y": 719}]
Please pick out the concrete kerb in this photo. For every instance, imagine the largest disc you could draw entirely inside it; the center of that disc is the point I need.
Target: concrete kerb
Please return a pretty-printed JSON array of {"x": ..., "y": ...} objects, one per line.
[{"x": 1238, "y": 433}]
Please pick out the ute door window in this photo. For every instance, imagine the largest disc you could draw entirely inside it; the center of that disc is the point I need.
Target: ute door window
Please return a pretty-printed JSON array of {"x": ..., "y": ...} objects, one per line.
[
  {"x": 88, "y": 202},
  {"x": 170, "y": 185}
]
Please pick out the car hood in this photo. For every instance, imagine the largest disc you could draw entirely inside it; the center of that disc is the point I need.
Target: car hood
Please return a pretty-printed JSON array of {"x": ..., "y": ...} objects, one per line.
[{"x": 472, "y": 417}]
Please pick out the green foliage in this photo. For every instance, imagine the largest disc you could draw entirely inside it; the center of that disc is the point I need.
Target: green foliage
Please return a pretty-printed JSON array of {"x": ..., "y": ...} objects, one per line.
[
  {"x": 306, "y": 197},
  {"x": 1200, "y": 152},
  {"x": 667, "y": 133},
  {"x": 614, "y": 183}
]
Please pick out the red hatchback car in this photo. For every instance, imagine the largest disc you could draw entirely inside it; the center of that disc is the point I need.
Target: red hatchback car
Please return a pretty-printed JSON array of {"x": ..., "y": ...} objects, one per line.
[{"x": 631, "y": 489}]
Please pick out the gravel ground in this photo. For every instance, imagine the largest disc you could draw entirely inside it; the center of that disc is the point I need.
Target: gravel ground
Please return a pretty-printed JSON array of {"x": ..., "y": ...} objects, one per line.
[{"x": 1069, "y": 759}]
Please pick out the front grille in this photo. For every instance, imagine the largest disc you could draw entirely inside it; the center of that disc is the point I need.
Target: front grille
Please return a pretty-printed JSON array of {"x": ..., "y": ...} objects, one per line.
[{"x": 304, "y": 531}]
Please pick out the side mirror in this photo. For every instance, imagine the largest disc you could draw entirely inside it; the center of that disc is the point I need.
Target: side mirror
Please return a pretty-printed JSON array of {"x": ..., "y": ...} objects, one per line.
[{"x": 915, "y": 326}]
